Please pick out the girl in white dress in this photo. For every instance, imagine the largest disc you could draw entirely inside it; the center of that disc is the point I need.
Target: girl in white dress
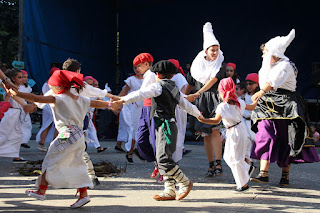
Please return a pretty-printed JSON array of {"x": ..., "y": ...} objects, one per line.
[
  {"x": 231, "y": 112},
  {"x": 64, "y": 165}
]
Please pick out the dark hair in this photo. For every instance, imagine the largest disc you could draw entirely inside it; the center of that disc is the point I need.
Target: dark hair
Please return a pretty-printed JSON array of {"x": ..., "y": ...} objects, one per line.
[
  {"x": 71, "y": 65},
  {"x": 11, "y": 73},
  {"x": 166, "y": 75},
  {"x": 257, "y": 88},
  {"x": 242, "y": 85},
  {"x": 150, "y": 63},
  {"x": 262, "y": 46}
]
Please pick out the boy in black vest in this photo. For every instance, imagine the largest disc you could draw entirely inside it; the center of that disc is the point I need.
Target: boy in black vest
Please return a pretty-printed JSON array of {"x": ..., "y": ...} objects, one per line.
[{"x": 165, "y": 96}]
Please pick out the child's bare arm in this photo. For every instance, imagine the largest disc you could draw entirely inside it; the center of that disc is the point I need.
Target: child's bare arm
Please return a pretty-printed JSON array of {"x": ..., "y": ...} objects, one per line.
[
  {"x": 124, "y": 90},
  {"x": 252, "y": 106},
  {"x": 32, "y": 97},
  {"x": 100, "y": 104},
  {"x": 212, "y": 121}
]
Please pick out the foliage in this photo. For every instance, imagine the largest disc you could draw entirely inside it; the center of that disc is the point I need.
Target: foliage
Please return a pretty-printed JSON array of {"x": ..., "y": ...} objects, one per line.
[{"x": 9, "y": 29}]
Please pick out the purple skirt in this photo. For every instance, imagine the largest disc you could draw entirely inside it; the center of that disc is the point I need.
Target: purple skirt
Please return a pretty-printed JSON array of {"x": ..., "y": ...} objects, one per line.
[{"x": 271, "y": 144}]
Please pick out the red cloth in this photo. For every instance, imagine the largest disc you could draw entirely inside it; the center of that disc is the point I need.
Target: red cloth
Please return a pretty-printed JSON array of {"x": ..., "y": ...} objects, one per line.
[
  {"x": 53, "y": 69},
  {"x": 227, "y": 88},
  {"x": 66, "y": 79},
  {"x": 177, "y": 64},
  {"x": 253, "y": 77},
  {"x": 24, "y": 72},
  {"x": 147, "y": 102},
  {"x": 141, "y": 58},
  {"x": 234, "y": 66},
  {"x": 4, "y": 106},
  {"x": 88, "y": 77},
  {"x": 94, "y": 80}
]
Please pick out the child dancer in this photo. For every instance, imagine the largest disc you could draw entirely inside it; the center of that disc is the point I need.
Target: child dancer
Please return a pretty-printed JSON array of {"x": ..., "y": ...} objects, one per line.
[
  {"x": 10, "y": 125},
  {"x": 91, "y": 131},
  {"x": 181, "y": 115},
  {"x": 165, "y": 96},
  {"x": 231, "y": 71},
  {"x": 63, "y": 165},
  {"x": 47, "y": 131},
  {"x": 26, "y": 124},
  {"x": 231, "y": 112},
  {"x": 133, "y": 112}
]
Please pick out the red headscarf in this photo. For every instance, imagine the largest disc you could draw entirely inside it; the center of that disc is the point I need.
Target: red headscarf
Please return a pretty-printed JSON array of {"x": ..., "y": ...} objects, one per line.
[
  {"x": 227, "y": 89},
  {"x": 66, "y": 79},
  {"x": 177, "y": 64},
  {"x": 53, "y": 69},
  {"x": 88, "y": 77},
  {"x": 233, "y": 65},
  {"x": 253, "y": 77},
  {"x": 24, "y": 72},
  {"x": 141, "y": 58}
]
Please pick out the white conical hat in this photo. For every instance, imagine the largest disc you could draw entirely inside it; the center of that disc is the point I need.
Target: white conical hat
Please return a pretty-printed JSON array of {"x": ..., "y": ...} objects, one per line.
[
  {"x": 278, "y": 45},
  {"x": 208, "y": 37}
]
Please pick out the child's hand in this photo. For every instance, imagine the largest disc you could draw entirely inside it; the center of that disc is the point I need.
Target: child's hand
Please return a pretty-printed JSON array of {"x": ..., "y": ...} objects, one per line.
[
  {"x": 14, "y": 91},
  {"x": 256, "y": 96},
  {"x": 200, "y": 118},
  {"x": 116, "y": 104},
  {"x": 29, "y": 108},
  {"x": 115, "y": 98},
  {"x": 192, "y": 97}
]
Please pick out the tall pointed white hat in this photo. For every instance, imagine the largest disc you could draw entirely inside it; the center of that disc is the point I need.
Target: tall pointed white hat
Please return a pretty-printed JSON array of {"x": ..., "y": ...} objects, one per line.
[
  {"x": 278, "y": 45},
  {"x": 208, "y": 37}
]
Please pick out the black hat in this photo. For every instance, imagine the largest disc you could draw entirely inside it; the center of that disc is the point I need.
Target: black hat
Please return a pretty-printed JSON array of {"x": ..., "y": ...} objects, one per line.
[{"x": 164, "y": 67}]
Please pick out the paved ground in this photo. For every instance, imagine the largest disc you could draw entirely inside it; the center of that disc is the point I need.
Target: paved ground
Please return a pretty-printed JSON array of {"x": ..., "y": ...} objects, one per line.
[{"x": 133, "y": 191}]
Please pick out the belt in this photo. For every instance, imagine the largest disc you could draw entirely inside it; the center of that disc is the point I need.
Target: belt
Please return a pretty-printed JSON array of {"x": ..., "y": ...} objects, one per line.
[{"x": 233, "y": 125}]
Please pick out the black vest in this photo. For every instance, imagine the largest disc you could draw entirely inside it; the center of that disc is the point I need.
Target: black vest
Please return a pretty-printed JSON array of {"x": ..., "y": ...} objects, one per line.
[{"x": 164, "y": 105}]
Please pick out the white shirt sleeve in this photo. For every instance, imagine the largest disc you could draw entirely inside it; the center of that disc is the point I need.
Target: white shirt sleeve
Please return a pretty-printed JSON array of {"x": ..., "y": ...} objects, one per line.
[
  {"x": 282, "y": 76},
  {"x": 153, "y": 90},
  {"x": 148, "y": 78},
  {"x": 90, "y": 91},
  {"x": 188, "y": 107}
]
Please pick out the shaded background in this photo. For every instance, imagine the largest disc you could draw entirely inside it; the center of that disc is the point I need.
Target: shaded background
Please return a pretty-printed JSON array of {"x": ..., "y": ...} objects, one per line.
[{"x": 55, "y": 30}]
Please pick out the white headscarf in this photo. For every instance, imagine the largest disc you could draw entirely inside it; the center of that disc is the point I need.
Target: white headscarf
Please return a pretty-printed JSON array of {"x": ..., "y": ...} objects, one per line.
[
  {"x": 278, "y": 45},
  {"x": 201, "y": 69},
  {"x": 275, "y": 47}
]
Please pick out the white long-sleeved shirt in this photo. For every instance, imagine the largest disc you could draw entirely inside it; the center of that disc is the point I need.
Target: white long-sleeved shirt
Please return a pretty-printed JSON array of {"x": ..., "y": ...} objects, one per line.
[
  {"x": 87, "y": 91},
  {"x": 280, "y": 76},
  {"x": 154, "y": 90}
]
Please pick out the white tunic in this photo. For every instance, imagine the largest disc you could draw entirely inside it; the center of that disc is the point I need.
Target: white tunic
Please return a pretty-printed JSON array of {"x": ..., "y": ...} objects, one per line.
[
  {"x": 26, "y": 125},
  {"x": 92, "y": 137},
  {"x": 236, "y": 141},
  {"x": 181, "y": 117},
  {"x": 66, "y": 168},
  {"x": 47, "y": 119}
]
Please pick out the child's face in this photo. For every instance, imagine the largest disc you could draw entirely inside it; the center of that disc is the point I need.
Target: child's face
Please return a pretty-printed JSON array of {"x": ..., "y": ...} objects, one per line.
[
  {"x": 136, "y": 70},
  {"x": 239, "y": 92},
  {"x": 251, "y": 86},
  {"x": 229, "y": 72},
  {"x": 18, "y": 79},
  {"x": 95, "y": 84},
  {"x": 25, "y": 78},
  {"x": 90, "y": 82},
  {"x": 212, "y": 53},
  {"x": 313, "y": 129},
  {"x": 143, "y": 67}
]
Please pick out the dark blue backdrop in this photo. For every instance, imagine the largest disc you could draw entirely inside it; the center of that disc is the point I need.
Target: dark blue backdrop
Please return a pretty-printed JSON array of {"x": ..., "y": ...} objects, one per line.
[{"x": 166, "y": 29}]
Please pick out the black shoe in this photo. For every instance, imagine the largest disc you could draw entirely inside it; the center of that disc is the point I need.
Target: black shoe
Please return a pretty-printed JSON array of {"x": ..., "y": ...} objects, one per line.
[
  {"x": 210, "y": 173},
  {"x": 135, "y": 151},
  {"x": 119, "y": 149},
  {"x": 218, "y": 171},
  {"x": 19, "y": 160},
  {"x": 242, "y": 190},
  {"x": 130, "y": 161},
  {"x": 101, "y": 149},
  {"x": 24, "y": 145},
  {"x": 260, "y": 179},
  {"x": 95, "y": 182},
  {"x": 284, "y": 182},
  {"x": 186, "y": 151}
]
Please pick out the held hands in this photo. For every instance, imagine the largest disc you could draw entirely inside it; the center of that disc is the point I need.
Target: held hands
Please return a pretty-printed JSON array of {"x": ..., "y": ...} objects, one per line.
[
  {"x": 192, "y": 97},
  {"x": 29, "y": 108},
  {"x": 14, "y": 91},
  {"x": 115, "y": 105},
  {"x": 257, "y": 96},
  {"x": 9, "y": 84},
  {"x": 201, "y": 118}
]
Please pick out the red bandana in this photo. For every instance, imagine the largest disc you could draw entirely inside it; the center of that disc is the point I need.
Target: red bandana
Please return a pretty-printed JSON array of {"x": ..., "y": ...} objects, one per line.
[
  {"x": 227, "y": 89},
  {"x": 66, "y": 79}
]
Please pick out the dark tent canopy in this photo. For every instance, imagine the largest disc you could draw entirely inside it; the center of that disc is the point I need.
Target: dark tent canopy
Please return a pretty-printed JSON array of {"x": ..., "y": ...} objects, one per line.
[{"x": 55, "y": 30}]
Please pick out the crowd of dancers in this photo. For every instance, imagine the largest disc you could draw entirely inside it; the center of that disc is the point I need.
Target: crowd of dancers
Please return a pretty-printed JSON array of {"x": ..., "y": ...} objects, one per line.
[{"x": 268, "y": 122}]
